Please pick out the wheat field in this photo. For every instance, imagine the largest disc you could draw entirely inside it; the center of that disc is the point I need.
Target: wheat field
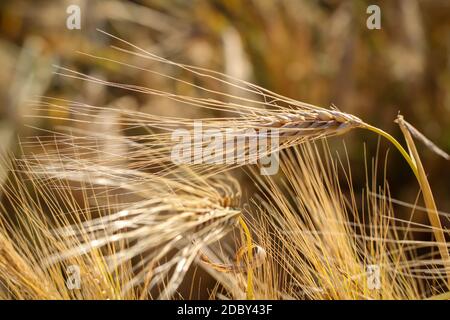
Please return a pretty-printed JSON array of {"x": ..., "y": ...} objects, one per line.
[{"x": 92, "y": 186}]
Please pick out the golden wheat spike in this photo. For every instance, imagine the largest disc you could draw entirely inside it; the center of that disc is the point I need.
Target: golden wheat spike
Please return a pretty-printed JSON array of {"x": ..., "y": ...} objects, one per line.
[
  {"x": 251, "y": 115},
  {"x": 156, "y": 225}
]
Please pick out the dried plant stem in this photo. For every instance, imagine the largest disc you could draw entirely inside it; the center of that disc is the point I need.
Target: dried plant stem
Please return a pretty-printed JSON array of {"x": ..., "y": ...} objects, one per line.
[
  {"x": 405, "y": 154},
  {"x": 433, "y": 215},
  {"x": 250, "y": 295}
]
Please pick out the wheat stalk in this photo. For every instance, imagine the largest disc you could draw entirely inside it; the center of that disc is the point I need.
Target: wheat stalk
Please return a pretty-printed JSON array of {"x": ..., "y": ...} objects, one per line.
[{"x": 432, "y": 211}]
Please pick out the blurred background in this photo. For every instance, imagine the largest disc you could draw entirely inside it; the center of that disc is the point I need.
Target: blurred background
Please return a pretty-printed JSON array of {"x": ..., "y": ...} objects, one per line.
[{"x": 320, "y": 52}]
